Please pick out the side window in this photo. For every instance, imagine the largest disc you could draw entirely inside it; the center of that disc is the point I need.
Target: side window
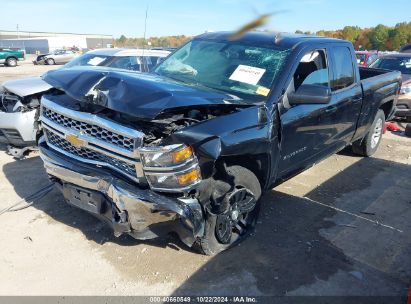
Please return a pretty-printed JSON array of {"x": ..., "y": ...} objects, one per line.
[
  {"x": 312, "y": 70},
  {"x": 343, "y": 69}
]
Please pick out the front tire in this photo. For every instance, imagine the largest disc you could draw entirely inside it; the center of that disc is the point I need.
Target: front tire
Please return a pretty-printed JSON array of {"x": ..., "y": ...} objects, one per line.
[
  {"x": 227, "y": 229},
  {"x": 370, "y": 143},
  {"x": 11, "y": 62},
  {"x": 50, "y": 61}
]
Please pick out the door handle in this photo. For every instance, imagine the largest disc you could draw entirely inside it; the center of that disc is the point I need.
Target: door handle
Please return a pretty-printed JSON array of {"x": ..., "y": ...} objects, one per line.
[
  {"x": 330, "y": 109},
  {"x": 358, "y": 99}
]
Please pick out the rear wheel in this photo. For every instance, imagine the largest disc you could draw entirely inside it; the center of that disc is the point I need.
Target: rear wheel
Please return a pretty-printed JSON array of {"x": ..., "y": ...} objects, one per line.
[
  {"x": 408, "y": 130},
  {"x": 11, "y": 62},
  {"x": 233, "y": 225},
  {"x": 50, "y": 61},
  {"x": 370, "y": 143}
]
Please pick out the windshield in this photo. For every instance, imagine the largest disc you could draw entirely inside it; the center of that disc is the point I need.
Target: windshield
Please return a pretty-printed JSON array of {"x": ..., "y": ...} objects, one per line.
[
  {"x": 238, "y": 69},
  {"x": 395, "y": 64}
]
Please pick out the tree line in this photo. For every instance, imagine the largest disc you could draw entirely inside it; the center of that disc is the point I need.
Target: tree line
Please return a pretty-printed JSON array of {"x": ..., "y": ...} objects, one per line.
[
  {"x": 381, "y": 38},
  {"x": 167, "y": 41}
]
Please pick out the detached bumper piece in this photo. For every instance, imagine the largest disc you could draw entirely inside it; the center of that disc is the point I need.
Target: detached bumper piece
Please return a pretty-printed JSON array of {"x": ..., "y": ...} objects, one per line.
[{"x": 142, "y": 213}]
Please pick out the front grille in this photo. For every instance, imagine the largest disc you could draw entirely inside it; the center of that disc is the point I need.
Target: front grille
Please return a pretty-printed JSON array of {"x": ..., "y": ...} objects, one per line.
[
  {"x": 106, "y": 143},
  {"x": 89, "y": 129},
  {"x": 89, "y": 155}
]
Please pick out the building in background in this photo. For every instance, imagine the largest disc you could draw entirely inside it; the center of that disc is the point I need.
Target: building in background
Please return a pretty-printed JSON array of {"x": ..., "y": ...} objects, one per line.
[{"x": 45, "y": 42}]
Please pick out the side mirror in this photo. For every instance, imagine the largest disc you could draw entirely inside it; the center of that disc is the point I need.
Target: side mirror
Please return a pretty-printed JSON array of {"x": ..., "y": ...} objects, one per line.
[{"x": 310, "y": 94}]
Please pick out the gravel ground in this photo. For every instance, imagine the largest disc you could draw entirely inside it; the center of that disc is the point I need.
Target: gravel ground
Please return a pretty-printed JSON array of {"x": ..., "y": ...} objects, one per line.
[{"x": 340, "y": 228}]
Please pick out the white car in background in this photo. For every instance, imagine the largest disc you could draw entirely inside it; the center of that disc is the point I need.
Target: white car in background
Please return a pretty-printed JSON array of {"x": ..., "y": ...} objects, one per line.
[
  {"x": 56, "y": 57},
  {"x": 20, "y": 99}
]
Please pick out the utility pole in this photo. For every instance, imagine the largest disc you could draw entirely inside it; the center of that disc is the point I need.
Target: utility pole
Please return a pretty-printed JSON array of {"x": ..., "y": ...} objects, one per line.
[
  {"x": 18, "y": 32},
  {"x": 145, "y": 28}
]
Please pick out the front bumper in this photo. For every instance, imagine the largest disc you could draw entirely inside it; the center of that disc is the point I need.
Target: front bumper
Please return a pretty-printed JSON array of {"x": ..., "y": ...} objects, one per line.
[
  {"x": 17, "y": 128},
  {"x": 142, "y": 213}
]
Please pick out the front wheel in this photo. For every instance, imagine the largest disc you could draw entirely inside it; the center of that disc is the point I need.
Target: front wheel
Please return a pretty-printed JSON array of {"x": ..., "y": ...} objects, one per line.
[
  {"x": 370, "y": 143},
  {"x": 226, "y": 229},
  {"x": 50, "y": 61},
  {"x": 11, "y": 62}
]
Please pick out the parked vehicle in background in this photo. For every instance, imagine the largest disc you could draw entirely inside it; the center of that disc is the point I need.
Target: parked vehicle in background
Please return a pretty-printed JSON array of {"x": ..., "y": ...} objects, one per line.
[
  {"x": 406, "y": 49},
  {"x": 399, "y": 62},
  {"x": 56, "y": 57},
  {"x": 191, "y": 147},
  {"x": 365, "y": 58},
  {"x": 10, "y": 57},
  {"x": 20, "y": 99},
  {"x": 139, "y": 60}
]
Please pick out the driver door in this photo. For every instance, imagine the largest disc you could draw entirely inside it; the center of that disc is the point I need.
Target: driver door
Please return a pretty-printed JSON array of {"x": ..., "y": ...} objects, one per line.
[{"x": 305, "y": 131}]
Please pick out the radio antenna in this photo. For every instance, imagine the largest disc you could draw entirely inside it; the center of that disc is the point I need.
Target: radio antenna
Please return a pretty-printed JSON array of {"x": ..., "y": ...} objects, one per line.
[
  {"x": 144, "y": 41},
  {"x": 145, "y": 27}
]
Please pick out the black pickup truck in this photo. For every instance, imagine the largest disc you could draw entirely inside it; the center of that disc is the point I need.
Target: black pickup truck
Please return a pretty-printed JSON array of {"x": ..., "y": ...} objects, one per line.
[{"x": 191, "y": 147}]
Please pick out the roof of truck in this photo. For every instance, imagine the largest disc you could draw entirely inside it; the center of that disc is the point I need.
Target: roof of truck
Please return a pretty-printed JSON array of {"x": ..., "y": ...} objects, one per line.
[
  {"x": 130, "y": 52},
  {"x": 269, "y": 39}
]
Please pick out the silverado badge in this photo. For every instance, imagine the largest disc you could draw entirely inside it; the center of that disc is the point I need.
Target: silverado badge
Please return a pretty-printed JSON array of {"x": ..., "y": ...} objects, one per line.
[{"x": 75, "y": 141}]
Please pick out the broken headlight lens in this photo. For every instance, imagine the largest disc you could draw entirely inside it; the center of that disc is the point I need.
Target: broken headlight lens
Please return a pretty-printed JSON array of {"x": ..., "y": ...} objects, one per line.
[{"x": 171, "y": 168}]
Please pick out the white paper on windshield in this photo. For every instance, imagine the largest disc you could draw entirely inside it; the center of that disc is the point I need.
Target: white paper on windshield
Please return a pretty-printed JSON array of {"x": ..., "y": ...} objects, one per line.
[
  {"x": 96, "y": 60},
  {"x": 247, "y": 74}
]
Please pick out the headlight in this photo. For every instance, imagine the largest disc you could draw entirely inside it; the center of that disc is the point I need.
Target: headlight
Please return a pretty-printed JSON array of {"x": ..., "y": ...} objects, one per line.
[
  {"x": 167, "y": 156},
  {"x": 406, "y": 89},
  {"x": 171, "y": 168}
]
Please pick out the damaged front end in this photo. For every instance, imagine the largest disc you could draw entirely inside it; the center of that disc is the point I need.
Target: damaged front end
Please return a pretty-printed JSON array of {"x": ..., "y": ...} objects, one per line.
[
  {"x": 19, "y": 113},
  {"x": 137, "y": 211},
  {"x": 18, "y": 122},
  {"x": 140, "y": 152},
  {"x": 104, "y": 168}
]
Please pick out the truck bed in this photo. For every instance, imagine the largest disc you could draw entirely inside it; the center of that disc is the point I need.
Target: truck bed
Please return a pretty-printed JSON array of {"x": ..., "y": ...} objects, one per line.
[
  {"x": 366, "y": 73},
  {"x": 379, "y": 86}
]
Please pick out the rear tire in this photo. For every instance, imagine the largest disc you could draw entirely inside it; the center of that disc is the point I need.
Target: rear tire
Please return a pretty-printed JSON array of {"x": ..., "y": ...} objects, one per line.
[
  {"x": 225, "y": 230},
  {"x": 370, "y": 143},
  {"x": 11, "y": 62},
  {"x": 408, "y": 130},
  {"x": 50, "y": 61}
]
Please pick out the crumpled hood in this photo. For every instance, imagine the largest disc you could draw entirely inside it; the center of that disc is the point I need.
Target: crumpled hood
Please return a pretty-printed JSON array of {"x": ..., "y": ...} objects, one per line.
[
  {"x": 26, "y": 86},
  {"x": 134, "y": 93}
]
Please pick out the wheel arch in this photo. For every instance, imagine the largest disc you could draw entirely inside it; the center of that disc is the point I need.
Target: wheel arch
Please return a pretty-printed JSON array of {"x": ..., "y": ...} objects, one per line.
[
  {"x": 258, "y": 164},
  {"x": 387, "y": 108}
]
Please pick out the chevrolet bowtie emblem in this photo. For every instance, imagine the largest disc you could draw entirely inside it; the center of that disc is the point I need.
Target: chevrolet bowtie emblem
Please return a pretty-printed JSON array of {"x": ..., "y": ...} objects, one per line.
[{"x": 75, "y": 141}]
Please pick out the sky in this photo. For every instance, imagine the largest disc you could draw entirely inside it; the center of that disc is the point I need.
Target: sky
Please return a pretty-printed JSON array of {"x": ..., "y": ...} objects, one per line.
[{"x": 191, "y": 17}]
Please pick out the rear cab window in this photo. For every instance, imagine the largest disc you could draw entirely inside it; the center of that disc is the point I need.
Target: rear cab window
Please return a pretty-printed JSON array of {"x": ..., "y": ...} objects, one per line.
[{"x": 343, "y": 76}]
